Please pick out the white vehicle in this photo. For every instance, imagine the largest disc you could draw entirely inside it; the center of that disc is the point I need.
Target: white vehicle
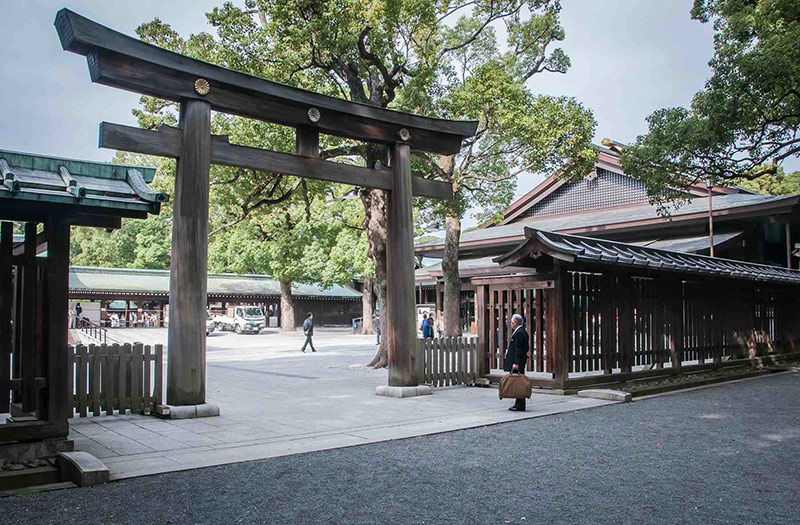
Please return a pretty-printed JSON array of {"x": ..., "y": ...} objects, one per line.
[
  {"x": 210, "y": 325},
  {"x": 242, "y": 319}
]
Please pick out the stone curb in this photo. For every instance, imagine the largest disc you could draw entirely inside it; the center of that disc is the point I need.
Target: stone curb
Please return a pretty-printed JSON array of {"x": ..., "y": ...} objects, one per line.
[
  {"x": 403, "y": 391},
  {"x": 81, "y": 468},
  {"x": 606, "y": 394},
  {"x": 186, "y": 411}
]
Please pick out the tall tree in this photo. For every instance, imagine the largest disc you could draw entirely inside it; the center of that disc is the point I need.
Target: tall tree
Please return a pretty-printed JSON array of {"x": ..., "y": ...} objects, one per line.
[
  {"x": 745, "y": 121},
  {"x": 259, "y": 221},
  {"x": 397, "y": 54},
  {"x": 518, "y": 131}
]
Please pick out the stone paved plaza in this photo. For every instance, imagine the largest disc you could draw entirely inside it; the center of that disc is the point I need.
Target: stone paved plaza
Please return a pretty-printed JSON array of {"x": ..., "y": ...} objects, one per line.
[
  {"x": 276, "y": 401},
  {"x": 721, "y": 455}
]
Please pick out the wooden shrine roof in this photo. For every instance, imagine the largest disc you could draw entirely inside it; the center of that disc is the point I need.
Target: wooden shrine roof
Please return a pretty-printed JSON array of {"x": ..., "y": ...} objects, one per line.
[
  {"x": 574, "y": 248},
  {"x": 90, "y": 281},
  {"x": 42, "y": 184}
]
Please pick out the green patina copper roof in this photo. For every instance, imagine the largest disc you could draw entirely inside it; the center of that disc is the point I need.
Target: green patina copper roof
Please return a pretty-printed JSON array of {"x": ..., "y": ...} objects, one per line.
[
  {"x": 112, "y": 187},
  {"x": 156, "y": 282}
]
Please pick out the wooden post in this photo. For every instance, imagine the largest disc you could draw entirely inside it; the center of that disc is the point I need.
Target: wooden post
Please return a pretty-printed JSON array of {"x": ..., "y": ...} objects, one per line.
[
  {"x": 401, "y": 329},
  {"x": 59, "y": 401},
  {"x": 557, "y": 327},
  {"x": 627, "y": 341},
  {"x": 484, "y": 335},
  {"x": 788, "y": 229},
  {"x": 710, "y": 222},
  {"x": 6, "y": 299},
  {"x": 186, "y": 370}
]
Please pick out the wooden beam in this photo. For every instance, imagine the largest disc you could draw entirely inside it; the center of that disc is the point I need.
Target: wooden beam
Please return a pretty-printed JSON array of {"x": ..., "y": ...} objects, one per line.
[
  {"x": 20, "y": 210},
  {"x": 41, "y": 245},
  {"x": 401, "y": 325},
  {"x": 186, "y": 371},
  {"x": 120, "y": 61},
  {"x": 166, "y": 142}
]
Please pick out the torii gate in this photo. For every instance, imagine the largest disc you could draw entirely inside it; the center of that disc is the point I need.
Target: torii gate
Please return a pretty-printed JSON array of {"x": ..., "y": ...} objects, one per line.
[{"x": 120, "y": 61}]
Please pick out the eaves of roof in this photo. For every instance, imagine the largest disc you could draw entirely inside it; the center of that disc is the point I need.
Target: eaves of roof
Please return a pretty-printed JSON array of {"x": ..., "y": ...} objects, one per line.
[
  {"x": 574, "y": 248},
  {"x": 619, "y": 219}
]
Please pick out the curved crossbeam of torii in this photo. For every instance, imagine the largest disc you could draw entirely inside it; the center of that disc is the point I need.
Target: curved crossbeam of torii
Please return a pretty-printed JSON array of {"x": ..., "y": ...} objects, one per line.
[{"x": 123, "y": 62}]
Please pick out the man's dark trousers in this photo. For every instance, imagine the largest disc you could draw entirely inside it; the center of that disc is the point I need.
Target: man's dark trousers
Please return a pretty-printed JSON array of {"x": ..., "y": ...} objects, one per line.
[{"x": 308, "y": 342}]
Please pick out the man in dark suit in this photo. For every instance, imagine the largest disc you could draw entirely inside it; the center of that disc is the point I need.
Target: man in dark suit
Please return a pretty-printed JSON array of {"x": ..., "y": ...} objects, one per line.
[
  {"x": 517, "y": 354},
  {"x": 308, "y": 330}
]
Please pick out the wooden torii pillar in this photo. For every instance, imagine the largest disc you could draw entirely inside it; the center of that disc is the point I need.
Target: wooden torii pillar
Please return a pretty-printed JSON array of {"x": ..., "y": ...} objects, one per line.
[{"x": 123, "y": 62}]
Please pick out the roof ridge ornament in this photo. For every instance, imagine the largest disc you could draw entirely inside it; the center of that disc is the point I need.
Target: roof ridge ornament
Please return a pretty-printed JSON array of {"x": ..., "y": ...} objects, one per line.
[
  {"x": 72, "y": 185},
  {"x": 8, "y": 177},
  {"x": 135, "y": 179}
]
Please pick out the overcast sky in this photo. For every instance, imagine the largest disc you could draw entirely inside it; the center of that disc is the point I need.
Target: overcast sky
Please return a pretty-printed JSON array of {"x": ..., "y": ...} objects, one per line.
[{"x": 629, "y": 57}]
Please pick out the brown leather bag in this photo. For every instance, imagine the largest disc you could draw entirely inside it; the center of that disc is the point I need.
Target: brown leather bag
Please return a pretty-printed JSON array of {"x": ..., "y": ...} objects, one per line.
[{"x": 515, "y": 386}]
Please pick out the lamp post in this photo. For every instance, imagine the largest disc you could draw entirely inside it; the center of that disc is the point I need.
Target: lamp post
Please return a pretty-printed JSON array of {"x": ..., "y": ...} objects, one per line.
[{"x": 709, "y": 184}]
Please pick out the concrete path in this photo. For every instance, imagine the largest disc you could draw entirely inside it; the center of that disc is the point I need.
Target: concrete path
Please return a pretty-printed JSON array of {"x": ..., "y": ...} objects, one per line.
[{"x": 276, "y": 401}]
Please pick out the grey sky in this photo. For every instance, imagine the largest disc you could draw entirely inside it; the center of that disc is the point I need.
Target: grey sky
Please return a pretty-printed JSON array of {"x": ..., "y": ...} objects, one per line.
[{"x": 629, "y": 57}]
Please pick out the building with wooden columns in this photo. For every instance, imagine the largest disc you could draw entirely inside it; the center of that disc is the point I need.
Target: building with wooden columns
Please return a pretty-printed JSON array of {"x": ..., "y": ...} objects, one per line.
[
  {"x": 142, "y": 296},
  {"x": 42, "y": 197},
  {"x": 610, "y": 206}
]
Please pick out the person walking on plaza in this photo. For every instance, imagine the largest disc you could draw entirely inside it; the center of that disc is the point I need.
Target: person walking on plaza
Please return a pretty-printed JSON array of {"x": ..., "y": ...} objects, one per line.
[
  {"x": 427, "y": 327},
  {"x": 78, "y": 310},
  {"x": 377, "y": 322},
  {"x": 308, "y": 330},
  {"x": 517, "y": 355}
]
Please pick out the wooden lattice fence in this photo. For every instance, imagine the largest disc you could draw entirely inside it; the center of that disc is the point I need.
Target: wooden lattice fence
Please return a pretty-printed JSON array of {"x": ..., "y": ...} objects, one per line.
[
  {"x": 446, "y": 361},
  {"x": 108, "y": 378}
]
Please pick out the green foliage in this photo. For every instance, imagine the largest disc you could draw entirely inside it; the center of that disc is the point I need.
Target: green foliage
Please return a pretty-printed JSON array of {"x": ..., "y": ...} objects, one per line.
[
  {"x": 517, "y": 131},
  {"x": 745, "y": 121},
  {"x": 778, "y": 183},
  {"x": 138, "y": 243},
  {"x": 263, "y": 222},
  {"x": 434, "y": 57}
]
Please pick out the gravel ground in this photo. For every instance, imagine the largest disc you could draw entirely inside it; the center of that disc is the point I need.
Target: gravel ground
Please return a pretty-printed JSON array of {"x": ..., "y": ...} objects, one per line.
[{"x": 727, "y": 454}]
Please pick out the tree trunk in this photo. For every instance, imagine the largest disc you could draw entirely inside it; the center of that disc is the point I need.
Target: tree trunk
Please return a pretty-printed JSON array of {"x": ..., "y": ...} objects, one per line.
[
  {"x": 367, "y": 308},
  {"x": 452, "y": 281},
  {"x": 375, "y": 223},
  {"x": 287, "y": 307}
]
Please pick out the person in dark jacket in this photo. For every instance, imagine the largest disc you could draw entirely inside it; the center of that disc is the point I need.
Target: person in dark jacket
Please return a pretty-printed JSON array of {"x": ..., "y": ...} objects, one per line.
[
  {"x": 308, "y": 330},
  {"x": 517, "y": 354}
]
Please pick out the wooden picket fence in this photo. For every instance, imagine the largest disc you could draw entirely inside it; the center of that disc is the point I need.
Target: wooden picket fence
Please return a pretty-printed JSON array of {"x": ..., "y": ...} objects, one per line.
[
  {"x": 107, "y": 378},
  {"x": 446, "y": 361}
]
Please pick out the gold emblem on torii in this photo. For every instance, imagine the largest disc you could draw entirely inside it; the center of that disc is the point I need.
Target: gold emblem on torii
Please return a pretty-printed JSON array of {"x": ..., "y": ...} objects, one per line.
[{"x": 202, "y": 87}]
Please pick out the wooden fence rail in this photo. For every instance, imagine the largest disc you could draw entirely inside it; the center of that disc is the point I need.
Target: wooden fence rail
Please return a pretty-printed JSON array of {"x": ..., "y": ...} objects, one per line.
[
  {"x": 446, "y": 361},
  {"x": 105, "y": 378}
]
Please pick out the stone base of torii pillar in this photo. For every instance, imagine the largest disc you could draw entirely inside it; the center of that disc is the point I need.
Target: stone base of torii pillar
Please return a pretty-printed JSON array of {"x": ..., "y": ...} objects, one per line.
[
  {"x": 403, "y": 391},
  {"x": 186, "y": 411}
]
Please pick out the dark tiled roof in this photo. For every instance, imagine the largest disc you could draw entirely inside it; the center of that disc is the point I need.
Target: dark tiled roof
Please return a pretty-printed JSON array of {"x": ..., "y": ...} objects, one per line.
[
  {"x": 619, "y": 215},
  {"x": 156, "y": 282},
  {"x": 37, "y": 178},
  {"x": 598, "y": 251},
  {"x": 689, "y": 244}
]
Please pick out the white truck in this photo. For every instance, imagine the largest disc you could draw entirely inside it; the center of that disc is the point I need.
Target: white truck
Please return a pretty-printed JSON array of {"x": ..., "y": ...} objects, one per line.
[{"x": 242, "y": 319}]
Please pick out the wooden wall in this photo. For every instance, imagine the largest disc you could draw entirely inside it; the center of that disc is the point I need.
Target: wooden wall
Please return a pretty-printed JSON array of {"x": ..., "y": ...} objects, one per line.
[{"x": 596, "y": 325}]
